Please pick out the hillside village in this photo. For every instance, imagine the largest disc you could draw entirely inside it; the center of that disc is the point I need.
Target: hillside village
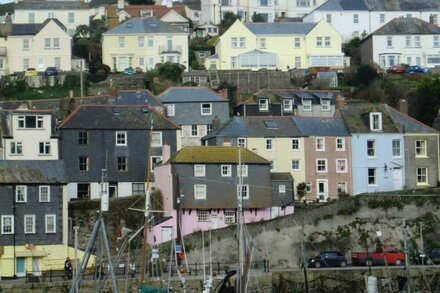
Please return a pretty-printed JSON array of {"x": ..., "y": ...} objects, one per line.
[{"x": 220, "y": 113}]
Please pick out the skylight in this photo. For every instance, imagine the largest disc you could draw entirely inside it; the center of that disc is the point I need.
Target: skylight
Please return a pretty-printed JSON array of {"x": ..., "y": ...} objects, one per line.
[{"x": 271, "y": 124}]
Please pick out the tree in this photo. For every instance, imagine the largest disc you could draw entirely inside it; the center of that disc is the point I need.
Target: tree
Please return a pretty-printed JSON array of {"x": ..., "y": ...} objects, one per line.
[
  {"x": 257, "y": 17},
  {"x": 427, "y": 103},
  {"x": 365, "y": 74},
  {"x": 171, "y": 71},
  {"x": 301, "y": 189},
  {"x": 82, "y": 31},
  {"x": 228, "y": 19}
]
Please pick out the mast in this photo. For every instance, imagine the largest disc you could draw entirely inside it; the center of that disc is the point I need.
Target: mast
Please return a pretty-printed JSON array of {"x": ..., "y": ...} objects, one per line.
[
  {"x": 405, "y": 247},
  {"x": 240, "y": 281}
]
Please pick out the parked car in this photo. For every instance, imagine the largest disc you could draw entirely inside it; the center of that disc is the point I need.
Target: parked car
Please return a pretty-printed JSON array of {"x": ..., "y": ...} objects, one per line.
[
  {"x": 51, "y": 71},
  {"x": 31, "y": 72},
  {"x": 129, "y": 71},
  {"x": 431, "y": 257},
  {"x": 396, "y": 69},
  {"x": 417, "y": 69},
  {"x": 327, "y": 259},
  {"x": 385, "y": 254}
]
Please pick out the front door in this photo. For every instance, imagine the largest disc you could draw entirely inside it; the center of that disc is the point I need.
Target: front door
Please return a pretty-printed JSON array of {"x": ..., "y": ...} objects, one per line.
[
  {"x": 274, "y": 212},
  {"x": 322, "y": 189},
  {"x": 36, "y": 270},
  {"x": 214, "y": 221},
  {"x": 167, "y": 233},
  {"x": 397, "y": 177},
  {"x": 113, "y": 191},
  {"x": 20, "y": 267}
]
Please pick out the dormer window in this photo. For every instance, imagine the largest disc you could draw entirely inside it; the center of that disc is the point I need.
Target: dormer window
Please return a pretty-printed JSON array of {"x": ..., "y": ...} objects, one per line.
[
  {"x": 146, "y": 13},
  {"x": 376, "y": 121},
  {"x": 263, "y": 104},
  {"x": 307, "y": 105},
  {"x": 30, "y": 121},
  {"x": 287, "y": 105},
  {"x": 325, "y": 105}
]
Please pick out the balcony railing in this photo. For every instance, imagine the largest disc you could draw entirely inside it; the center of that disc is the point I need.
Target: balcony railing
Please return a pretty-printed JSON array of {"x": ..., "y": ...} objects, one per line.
[{"x": 170, "y": 49}]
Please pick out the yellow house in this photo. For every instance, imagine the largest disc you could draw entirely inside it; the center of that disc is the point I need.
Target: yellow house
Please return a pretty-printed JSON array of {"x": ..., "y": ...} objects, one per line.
[
  {"x": 144, "y": 42},
  {"x": 277, "y": 46}
]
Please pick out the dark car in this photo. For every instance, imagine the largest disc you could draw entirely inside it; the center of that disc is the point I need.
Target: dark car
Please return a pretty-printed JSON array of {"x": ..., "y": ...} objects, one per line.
[
  {"x": 51, "y": 71},
  {"x": 396, "y": 69},
  {"x": 328, "y": 259},
  {"x": 431, "y": 257},
  {"x": 417, "y": 69}
]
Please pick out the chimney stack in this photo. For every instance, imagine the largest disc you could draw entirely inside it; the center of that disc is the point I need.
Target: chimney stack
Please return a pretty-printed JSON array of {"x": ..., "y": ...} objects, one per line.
[
  {"x": 340, "y": 102},
  {"x": 169, "y": 3},
  {"x": 121, "y": 4},
  {"x": 403, "y": 106},
  {"x": 216, "y": 123}
]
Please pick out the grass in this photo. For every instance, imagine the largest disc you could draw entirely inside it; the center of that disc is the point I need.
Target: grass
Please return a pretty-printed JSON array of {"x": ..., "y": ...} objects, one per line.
[{"x": 43, "y": 93}]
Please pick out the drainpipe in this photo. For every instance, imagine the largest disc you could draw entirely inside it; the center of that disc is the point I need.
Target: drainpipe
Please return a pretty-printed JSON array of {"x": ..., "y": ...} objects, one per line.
[{"x": 13, "y": 235}]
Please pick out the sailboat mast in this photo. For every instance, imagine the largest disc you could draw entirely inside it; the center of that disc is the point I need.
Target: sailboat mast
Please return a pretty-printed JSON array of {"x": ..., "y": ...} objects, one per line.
[{"x": 240, "y": 225}]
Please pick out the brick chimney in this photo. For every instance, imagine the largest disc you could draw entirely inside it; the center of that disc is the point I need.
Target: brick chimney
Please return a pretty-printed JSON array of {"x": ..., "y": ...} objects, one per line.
[
  {"x": 340, "y": 102},
  {"x": 436, "y": 124},
  {"x": 403, "y": 106}
]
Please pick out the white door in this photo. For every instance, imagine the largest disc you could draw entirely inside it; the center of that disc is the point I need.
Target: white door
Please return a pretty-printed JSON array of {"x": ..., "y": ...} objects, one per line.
[
  {"x": 397, "y": 177},
  {"x": 167, "y": 233},
  {"x": 36, "y": 270},
  {"x": 322, "y": 189},
  {"x": 214, "y": 221},
  {"x": 274, "y": 212}
]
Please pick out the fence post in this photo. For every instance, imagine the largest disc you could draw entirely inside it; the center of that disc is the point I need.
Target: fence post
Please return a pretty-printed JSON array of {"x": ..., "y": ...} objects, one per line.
[
  {"x": 50, "y": 275},
  {"x": 195, "y": 265},
  {"x": 218, "y": 267}
]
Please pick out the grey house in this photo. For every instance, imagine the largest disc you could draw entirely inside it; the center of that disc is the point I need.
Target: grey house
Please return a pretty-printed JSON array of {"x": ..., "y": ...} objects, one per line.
[
  {"x": 115, "y": 138},
  {"x": 195, "y": 109}
]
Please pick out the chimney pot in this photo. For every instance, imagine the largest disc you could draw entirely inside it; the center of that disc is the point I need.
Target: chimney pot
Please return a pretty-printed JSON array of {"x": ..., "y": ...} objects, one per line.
[{"x": 403, "y": 106}]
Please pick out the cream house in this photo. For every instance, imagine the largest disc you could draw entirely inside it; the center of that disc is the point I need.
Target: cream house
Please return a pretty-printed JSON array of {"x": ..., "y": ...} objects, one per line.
[
  {"x": 39, "y": 46},
  {"x": 144, "y": 42},
  {"x": 277, "y": 46},
  {"x": 70, "y": 13}
]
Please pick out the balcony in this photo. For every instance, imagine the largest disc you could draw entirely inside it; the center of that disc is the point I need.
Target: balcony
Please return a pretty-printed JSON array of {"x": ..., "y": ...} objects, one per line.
[{"x": 170, "y": 49}]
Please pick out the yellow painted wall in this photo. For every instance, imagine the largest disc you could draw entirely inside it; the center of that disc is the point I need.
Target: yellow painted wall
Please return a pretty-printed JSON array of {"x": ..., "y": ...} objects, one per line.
[{"x": 323, "y": 29}]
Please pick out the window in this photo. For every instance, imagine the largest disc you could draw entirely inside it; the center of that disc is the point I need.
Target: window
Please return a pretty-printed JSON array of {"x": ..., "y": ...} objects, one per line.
[
  {"x": 122, "y": 164},
  {"x": 25, "y": 63},
  {"x": 375, "y": 121},
  {"x": 422, "y": 175},
  {"x": 206, "y": 109},
  {"x": 287, "y": 105},
  {"x": 434, "y": 18},
  {"x": 303, "y": 3},
  {"x": 242, "y": 42},
  {"x": 297, "y": 43},
  {"x": 44, "y": 192},
  {"x": 29, "y": 224},
  {"x": 355, "y": 18},
  {"x": 155, "y": 160},
  {"x": 327, "y": 42},
  {"x": 83, "y": 190},
  {"x": 295, "y": 144},
  {"x": 7, "y": 224},
  {"x": 340, "y": 144},
  {"x": 269, "y": 144},
  {"x": 150, "y": 42},
  {"x": 21, "y": 193},
  {"x": 121, "y": 138},
  {"x": 342, "y": 187},
  {"x": 417, "y": 41},
  {"x": 371, "y": 176},
  {"x": 156, "y": 139},
  {"x": 31, "y": 17},
  {"x": 229, "y": 217},
  {"x": 241, "y": 142},
  {"x": 243, "y": 190},
  {"x": 321, "y": 165},
  {"x": 83, "y": 137},
  {"x": 203, "y": 216},
  {"x": 208, "y": 128},
  {"x": 121, "y": 42},
  {"x": 420, "y": 148},
  {"x": 233, "y": 42},
  {"x": 408, "y": 41},
  {"x": 25, "y": 45},
  {"x": 329, "y": 18},
  {"x": 141, "y": 42},
  {"x": 199, "y": 170},
  {"x": 307, "y": 105},
  {"x": 47, "y": 43},
  {"x": 194, "y": 130},
  {"x": 263, "y": 104},
  {"x": 83, "y": 164},
  {"x": 171, "y": 110},
  {"x": 389, "y": 41},
  {"x": 56, "y": 43},
  {"x": 16, "y": 148},
  {"x": 226, "y": 170},
  {"x": 320, "y": 144},
  {"x": 382, "y": 18},
  {"x": 50, "y": 224},
  {"x": 371, "y": 148},
  {"x": 436, "y": 41},
  {"x": 396, "y": 148},
  {"x": 244, "y": 170},
  {"x": 295, "y": 165},
  {"x": 44, "y": 148},
  {"x": 71, "y": 17},
  {"x": 262, "y": 43},
  {"x": 325, "y": 105},
  {"x": 341, "y": 165},
  {"x": 318, "y": 41},
  {"x": 234, "y": 62},
  {"x": 199, "y": 191},
  {"x": 30, "y": 121},
  {"x": 137, "y": 188},
  {"x": 281, "y": 188}
]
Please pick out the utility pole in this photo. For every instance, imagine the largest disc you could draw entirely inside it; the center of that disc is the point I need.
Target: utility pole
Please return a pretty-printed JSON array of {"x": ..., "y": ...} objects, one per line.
[
  {"x": 405, "y": 247},
  {"x": 304, "y": 261},
  {"x": 422, "y": 249},
  {"x": 76, "y": 256}
]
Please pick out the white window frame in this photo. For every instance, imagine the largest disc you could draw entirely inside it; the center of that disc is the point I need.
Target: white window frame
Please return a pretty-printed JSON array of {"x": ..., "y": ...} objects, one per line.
[
  {"x": 295, "y": 144},
  {"x": 318, "y": 165},
  {"x": 155, "y": 160},
  {"x": 242, "y": 42},
  {"x": 171, "y": 109},
  {"x": 199, "y": 191},
  {"x": 419, "y": 176},
  {"x": 16, "y": 148},
  {"x": 421, "y": 149},
  {"x": 307, "y": 105},
  {"x": 309, "y": 187},
  {"x": 226, "y": 170},
  {"x": 156, "y": 139},
  {"x": 389, "y": 42},
  {"x": 322, "y": 148},
  {"x": 373, "y": 148},
  {"x": 199, "y": 170},
  {"x": 24, "y": 189},
  {"x": 234, "y": 42},
  {"x": 287, "y": 105},
  {"x": 325, "y": 105},
  {"x": 327, "y": 42},
  {"x": 319, "y": 42},
  {"x": 269, "y": 144},
  {"x": 25, "y": 224},
  {"x": 297, "y": 43},
  {"x": 263, "y": 104},
  {"x": 194, "y": 130},
  {"x": 46, "y": 148},
  {"x": 244, "y": 170},
  {"x": 121, "y": 42},
  {"x": 282, "y": 188},
  {"x": 229, "y": 217},
  {"x": 262, "y": 43},
  {"x": 355, "y": 18},
  {"x": 206, "y": 111},
  {"x": 340, "y": 144},
  {"x": 245, "y": 188},
  {"x": 41, "y": 194},
  {"x": 241, "y": 142},
  {"x": 46, "y": 222},
  {"x": 3, "y": 219},
  {"x": 203, "y": 216},
  {"x": 417, "y": 41},
  {"x": 141, "y": 41},
  {"x": 341, "y": 183},
  {"x": 121, "y": 138},
  {"x": 376, "y": 116},
  {"x": 396, "y": 148},
  {"x": 297, "y": 163},
  {"x": 345, "y": 167}
]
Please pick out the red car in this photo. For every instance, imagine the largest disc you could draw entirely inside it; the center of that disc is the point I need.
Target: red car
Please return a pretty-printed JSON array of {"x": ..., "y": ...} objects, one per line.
[
  {"x": 387, "y": 254},
  {"x": 396, "y": 69}
]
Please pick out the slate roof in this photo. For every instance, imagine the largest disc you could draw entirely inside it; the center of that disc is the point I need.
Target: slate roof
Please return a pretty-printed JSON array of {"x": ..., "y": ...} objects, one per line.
[
  {"x": 285, "y": 28},
  {"x": 316, "y": 126},
  {"x": 338, "y": 5},
  {"x": 116, "y": 117},
  {"x": 407, "y": 124},
  {"x": 281, "y": 176},
  {"x": 97, "y": 3},
  {"x": 402, "y": 5},
  {"x": 216, "y": 155},
  {"x": 136, "y": 97},
  {"x": 158, "y": 10},
  {"x": 144, "y": 26},
  {"x": 276, "y": 96},
  {"x": 192, "y": 4},
  {"x": 32, "y": 172},
  {"x": 31, "y": 29},
  {"x": 50, "y": 5},
  {"x": 256, "y": 126},
  {"x": 356, "y": 117},
  {"x": 189, "y": 94},
  {"x": 407, "y": 26}
]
